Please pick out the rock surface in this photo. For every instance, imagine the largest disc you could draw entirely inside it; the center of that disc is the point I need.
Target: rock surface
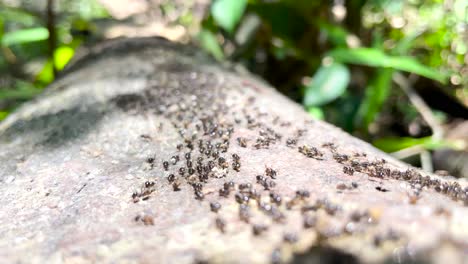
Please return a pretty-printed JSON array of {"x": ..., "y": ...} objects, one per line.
[{"x": 148, "y": 152}]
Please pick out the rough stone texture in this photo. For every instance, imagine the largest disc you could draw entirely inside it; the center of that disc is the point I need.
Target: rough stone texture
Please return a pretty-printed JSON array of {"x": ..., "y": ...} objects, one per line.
[{"x": 82, "y": 178}]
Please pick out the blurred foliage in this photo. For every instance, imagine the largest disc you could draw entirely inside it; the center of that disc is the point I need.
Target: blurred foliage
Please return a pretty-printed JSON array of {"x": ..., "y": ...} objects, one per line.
[
  {"x": 329, "y": 82},
  {"x": 395, "y": 144},
  {"x": 338, "y": 58},
  {"x": 27, "y": 63}
]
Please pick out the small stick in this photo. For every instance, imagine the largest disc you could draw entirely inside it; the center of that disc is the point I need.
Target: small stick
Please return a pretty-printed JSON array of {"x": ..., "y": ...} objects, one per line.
[{"x": 419, "y": 104}]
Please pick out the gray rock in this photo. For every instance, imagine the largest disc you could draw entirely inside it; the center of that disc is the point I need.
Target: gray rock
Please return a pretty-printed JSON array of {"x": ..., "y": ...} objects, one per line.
[{"x": 90, "y": 183}]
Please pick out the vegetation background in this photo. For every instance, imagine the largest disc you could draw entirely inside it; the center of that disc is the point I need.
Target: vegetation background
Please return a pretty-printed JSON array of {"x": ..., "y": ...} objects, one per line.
[{"x": 392, "y": 72}]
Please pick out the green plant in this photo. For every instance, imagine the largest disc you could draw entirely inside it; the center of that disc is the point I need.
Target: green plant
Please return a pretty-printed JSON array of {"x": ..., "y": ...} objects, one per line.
[
  {"x": 342, "y": 69},
  {"x": 26, "y": 40}
]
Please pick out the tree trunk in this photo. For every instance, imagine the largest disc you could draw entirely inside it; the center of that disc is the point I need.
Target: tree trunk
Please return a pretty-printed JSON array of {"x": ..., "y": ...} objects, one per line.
[{"x": 148, "y": 151}]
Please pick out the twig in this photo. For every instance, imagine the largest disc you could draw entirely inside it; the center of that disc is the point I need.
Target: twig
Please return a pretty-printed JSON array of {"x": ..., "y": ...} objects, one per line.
[
  {"x": 424, "y": 155},
  {"x": 8, "y": 55},
  {"x": 426, "y": 161},
  {"x": 426, "y": 113},
  {"x": 408, "y": 152},
  {"x": 52, "y": 34},
  {"x": 419, "y": 104}
]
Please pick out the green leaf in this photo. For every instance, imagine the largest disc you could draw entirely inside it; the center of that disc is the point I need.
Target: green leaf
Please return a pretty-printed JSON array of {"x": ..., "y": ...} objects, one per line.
[
  {"x": 2, "y": 29},
  {"x": 25, "y": 36},
  {"x": 17, "y": 15},
  {"x": 22, "y": 94},
  {"x": 316, "y": 112},
  {"x": 62, "y": 55},
  {"x": 3, "y": 114},
  {"x": 227, "y": 13},
  {"x": 396, "y": 144},
  {"x": 46, "y": 75},
  {"x": 336, "y": 34},
  {"x": 23, "y": 91},
  {"x": 405, "y": 44},
  {"x": 328, "y": 83},
  {"x": 377, "y": 58},
  {"x": 376, "y": 94},
  {"x": 209, "y": 42}
]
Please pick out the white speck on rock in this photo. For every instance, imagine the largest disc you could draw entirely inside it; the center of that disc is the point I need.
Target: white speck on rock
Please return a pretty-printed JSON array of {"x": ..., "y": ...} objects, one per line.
[
  {"x": 219, "y": 173},
  {"x": 19, "y": 240},
  {"x": 10, "y": 179},
  {"x": 103, "y": 251}
]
